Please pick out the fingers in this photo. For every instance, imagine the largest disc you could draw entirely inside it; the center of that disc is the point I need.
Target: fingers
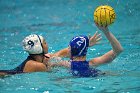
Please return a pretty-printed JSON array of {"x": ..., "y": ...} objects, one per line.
[
  {"x": 98, "y": 43},
  {"x": 95, "y": 39},
  {"x": 96, "y": 24},
  {"x": 102, "y": 28},
  {"x": 98, "y": 39},
  {"x": 95, "y": 34},
  {"x": 98, "y": 36}
]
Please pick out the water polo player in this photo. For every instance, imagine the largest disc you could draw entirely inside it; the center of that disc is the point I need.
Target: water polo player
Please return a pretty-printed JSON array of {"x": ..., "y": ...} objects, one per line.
[
  {"x": 38, "y": 59},
  {"x": 78, "y": 50}
]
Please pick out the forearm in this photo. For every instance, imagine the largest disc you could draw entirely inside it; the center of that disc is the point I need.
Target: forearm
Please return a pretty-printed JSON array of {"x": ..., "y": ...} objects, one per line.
[
  {"x": 62, "y": 53},
  {"x": 117, "y": 48},
  {"x": 112, "y": 54},
  {"x": 61, "y": 64}
]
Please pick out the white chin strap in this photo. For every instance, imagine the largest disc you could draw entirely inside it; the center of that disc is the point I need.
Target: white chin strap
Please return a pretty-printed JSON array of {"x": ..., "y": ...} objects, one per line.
[{"x": 33, "y": 44}]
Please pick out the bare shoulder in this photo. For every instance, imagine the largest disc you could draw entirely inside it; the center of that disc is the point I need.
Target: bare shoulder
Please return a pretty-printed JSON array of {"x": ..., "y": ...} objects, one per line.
[{"x": 34, "y": 66}]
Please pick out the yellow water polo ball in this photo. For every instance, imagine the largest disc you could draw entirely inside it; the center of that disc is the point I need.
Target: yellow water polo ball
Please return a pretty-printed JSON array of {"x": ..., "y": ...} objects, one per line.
[{"x": 104, "y": 15}]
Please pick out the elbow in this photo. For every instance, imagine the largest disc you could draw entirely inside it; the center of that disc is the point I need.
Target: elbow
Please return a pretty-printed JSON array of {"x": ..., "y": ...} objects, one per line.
[
  {"x": 117, "y": 52},
  {"x": 120, "y": 50}
]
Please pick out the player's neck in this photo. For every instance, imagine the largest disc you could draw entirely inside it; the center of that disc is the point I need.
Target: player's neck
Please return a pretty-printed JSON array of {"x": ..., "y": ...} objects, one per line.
[
  {"x": 38, "y": 58},
  {"x": 82, "y": 58}
]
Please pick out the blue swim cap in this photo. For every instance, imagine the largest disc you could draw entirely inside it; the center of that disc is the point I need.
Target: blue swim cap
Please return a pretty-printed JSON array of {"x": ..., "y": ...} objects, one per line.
[{"x": 79, "y": 46}]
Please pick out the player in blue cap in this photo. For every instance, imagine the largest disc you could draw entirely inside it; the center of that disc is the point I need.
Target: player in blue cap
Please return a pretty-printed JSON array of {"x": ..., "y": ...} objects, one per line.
[{"x": 78, "y": 49}]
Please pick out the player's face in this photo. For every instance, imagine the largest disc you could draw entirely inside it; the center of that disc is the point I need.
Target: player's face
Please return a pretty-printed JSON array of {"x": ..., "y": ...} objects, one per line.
[{"x": 45, "y": 47}]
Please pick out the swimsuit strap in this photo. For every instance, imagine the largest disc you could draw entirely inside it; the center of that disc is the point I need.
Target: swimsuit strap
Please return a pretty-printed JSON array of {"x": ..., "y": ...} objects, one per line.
[
  {"x": 22, "y": 65},
  {"x": 18, "y": 69}
]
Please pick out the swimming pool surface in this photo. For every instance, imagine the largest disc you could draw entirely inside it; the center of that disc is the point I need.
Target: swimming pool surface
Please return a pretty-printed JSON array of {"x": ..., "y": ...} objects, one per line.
[{"x": 58, "y": 21}]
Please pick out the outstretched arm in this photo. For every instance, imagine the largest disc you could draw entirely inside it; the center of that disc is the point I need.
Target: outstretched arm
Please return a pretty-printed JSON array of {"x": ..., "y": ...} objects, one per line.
[
  {"x": 62, "y": 53},
  {"x": 112, "y": 54},
  {"x": 61, "y": 64},
  {"x": 93, "y": 40}
]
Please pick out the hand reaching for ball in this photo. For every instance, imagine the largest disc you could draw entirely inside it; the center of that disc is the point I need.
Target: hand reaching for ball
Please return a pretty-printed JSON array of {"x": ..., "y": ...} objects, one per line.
[{"x": 102, "y": 28}]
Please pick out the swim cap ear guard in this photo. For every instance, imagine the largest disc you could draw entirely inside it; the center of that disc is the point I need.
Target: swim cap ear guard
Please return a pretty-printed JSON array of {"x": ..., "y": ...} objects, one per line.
[
  {"x": 33, "y": 44},
  {"x": 79, "y": 45}
]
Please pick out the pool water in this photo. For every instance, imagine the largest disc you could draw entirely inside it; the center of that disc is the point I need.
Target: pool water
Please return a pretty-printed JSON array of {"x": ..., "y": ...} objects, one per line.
[{"x": 58, "y": 21}]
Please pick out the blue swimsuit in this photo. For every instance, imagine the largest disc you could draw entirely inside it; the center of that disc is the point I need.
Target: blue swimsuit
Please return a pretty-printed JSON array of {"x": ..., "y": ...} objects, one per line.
[
  {"x": 18, "y": 69},
  {"x": 82, "y": 69}
]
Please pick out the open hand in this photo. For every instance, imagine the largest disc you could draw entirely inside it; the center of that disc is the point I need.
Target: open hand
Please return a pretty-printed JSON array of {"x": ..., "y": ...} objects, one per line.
[{"x": 94, "y": 39}]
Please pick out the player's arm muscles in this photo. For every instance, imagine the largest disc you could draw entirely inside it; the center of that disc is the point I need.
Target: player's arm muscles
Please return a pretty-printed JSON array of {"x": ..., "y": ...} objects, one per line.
[
  {"x": 112, "y": 54},
  {"x": 106, "y": 58}
]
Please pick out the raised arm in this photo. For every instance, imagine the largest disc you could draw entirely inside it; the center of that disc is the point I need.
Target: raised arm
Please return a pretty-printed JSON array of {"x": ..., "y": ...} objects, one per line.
[
  {"x": 93, "y": 40},
  {"x": 112, "y": 54}
]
